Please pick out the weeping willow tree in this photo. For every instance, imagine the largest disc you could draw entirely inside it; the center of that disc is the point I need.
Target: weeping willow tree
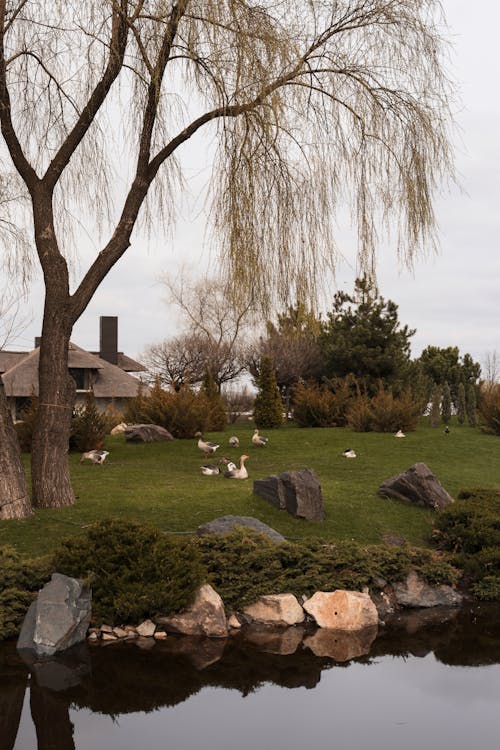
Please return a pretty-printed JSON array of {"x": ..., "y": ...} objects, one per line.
[{"x": 311, "y": 104}]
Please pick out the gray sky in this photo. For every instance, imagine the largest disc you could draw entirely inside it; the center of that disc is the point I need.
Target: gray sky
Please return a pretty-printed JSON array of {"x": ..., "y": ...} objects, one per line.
[{"x": 451, "y": 299}]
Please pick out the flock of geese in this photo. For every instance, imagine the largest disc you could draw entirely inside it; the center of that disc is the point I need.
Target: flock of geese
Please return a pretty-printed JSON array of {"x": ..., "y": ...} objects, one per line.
[{"x": 233, "y": 471}]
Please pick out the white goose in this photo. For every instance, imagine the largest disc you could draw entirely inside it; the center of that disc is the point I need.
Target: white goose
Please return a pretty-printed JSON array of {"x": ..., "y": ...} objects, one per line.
[
  {"x": 240, "y": 473},
  {"x": 209, "y": 470},
  {"x": 400, "y": 434},
  {"x": 205, "y": 445},
  {"x": 234, "y": 441},
  {"x": 259, "y": 440},
  {"x": 96, "y": 456},
  {"x": 349, "y": 453}
]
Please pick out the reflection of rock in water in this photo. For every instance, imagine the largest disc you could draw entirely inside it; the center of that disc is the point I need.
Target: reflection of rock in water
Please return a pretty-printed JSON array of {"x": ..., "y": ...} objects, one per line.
[
  {"x": 61, "y": 671},
  {"x": 124, "y": 678},
  {"x": 284, "y": 641},
  {"x": 341, "y": 645}
]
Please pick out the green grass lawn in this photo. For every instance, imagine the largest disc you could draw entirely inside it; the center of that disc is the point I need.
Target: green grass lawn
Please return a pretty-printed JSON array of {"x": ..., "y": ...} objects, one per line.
[{"x": 161, "y": 483}]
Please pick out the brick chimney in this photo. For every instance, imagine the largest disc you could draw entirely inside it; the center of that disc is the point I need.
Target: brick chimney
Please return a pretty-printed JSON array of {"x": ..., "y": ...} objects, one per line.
[{"x": 108, "y": 338}]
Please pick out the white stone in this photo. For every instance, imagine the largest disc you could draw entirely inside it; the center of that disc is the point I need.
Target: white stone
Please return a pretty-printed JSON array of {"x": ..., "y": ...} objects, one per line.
[
  {"x": 146, "y": 629},
  {"x": 342, "y": 610}
]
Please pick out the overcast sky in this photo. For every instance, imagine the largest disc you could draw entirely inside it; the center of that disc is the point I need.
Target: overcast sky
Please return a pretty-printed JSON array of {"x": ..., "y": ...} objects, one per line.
[{"x": 451, "y": 299}]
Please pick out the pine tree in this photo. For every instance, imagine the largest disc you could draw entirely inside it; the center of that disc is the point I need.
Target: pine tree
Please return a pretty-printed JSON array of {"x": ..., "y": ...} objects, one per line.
[
  {"x": 461, "y": 404},
  {"x": 471, "y": 405},
  {"x": 446, "y": 404},
  {"x": 217, "y": 418},
  {"x": 268, "y": 409}
]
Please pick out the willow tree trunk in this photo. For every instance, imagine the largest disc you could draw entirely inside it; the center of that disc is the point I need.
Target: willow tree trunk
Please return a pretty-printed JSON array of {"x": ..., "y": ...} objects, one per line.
[
  {"x": 14, "y": 497},
  {"x": 51, "y": 482}
]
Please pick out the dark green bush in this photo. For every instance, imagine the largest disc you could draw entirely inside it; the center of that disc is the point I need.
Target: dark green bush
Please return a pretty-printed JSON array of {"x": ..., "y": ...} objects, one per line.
[
  {"x": 471, "y": 530},
  {"x": 470, "y": 524},
  {"x": 243, "y": 565},
  {"x": 135, "y": 571},
  {"x": 267, "y": 407},
  {"x": 19, "y": 581},
  {"x": 89, "y": 426}
]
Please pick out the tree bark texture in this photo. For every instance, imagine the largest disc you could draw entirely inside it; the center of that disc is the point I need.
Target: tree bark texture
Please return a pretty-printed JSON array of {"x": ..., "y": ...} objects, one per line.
[
  {"x": 14, "y": 497},
  {"x": 51, "y": 482}
]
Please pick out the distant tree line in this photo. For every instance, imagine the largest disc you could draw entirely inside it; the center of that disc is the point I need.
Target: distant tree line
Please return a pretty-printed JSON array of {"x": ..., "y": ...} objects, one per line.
[{"x": 319, "y": 366}]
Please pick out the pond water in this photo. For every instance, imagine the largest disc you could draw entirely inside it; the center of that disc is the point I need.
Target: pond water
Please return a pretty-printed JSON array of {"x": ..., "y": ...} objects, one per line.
[{"x": 431, "y": 679}]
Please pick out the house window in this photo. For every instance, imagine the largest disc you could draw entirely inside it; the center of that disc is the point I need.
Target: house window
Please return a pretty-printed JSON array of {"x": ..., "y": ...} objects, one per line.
[
  {"x": 22, "y": 405},
  {"x": 78, "y": 375}
]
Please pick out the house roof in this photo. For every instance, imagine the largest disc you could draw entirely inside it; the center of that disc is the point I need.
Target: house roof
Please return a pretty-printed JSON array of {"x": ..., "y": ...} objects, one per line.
[
  {"x": 126, "y": 363},
  {"x": 109, "y": 381},
  {"x": 9, "y": 359}
]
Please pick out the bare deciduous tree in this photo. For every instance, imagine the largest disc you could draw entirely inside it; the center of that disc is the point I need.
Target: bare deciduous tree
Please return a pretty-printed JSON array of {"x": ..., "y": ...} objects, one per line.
[
  {"x": 311, "y": 104},
  {"x": 216, "y": 318}
]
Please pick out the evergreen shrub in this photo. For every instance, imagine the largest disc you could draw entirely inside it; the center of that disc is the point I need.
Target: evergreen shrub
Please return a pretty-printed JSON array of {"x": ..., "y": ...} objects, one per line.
[
  {"x": 470, "y": 529},
  {"x": 19, "y": 583},
  {"x": 244, "y": 564},
  {"x": 89, "y": 426},
  {"x": 267, "y": 408},
  {"x": 217, "y": 412},
  {"x": 135, "y": 571}
]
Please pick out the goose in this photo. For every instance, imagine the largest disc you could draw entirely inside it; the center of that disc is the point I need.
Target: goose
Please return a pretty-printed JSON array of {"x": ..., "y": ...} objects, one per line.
[
  {"x": 96, "y": 456},
  {"x": 349, "y": 453},
  {"x": 209, "y": 470},
  {"x": 446, "y": 430},
  {"x": 230, "y": 465},
  {"x": 240, "y": 473},
  {"x": 400, "y": 434},
  {"x": 234, "y": 441},
  {"x": 258, "y": 440},
  {"x": 206, "y": 446}
]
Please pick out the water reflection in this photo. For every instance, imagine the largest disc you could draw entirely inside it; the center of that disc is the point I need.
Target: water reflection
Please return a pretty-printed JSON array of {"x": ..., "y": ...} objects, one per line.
[{"x": 120, "y": 679}]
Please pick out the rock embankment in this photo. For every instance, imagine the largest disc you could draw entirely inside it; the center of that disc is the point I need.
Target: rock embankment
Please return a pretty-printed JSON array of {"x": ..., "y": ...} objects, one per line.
[{"x": 60, "y": 616}]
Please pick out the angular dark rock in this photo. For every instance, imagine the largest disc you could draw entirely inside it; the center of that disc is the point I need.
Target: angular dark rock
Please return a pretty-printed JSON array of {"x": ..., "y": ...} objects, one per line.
[
  {"x": 297, "y": 492},
  {"x": 225, "y": 524},
  {"x": 417, "y": 485},
  {"x": 146, "y": 433},
  {"x": 415, "y": 592},
  {"x": 58, "y": 618}
]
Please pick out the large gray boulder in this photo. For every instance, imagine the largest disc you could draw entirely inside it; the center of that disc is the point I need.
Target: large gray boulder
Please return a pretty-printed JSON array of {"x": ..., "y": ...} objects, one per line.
[
  {"x": 146, "y": 433},
  {"x": 417, "y": 485},
  {"x": 58, "y": 618},
  {"x": 225, "y": 524},
  {"x": 297, "y": 492}
]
